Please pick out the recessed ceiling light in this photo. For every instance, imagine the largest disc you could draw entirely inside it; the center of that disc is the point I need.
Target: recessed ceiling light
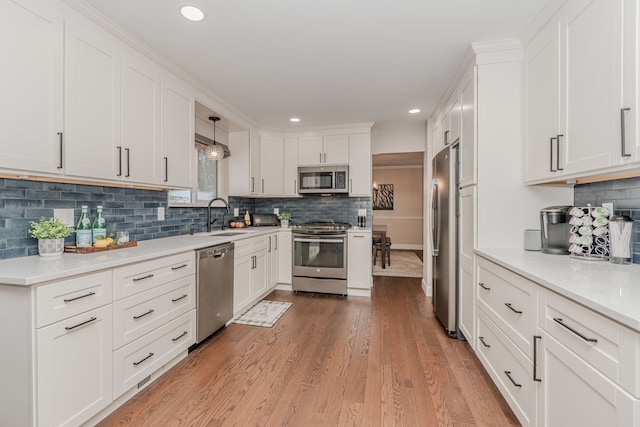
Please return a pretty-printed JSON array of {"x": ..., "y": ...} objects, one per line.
[
  {"x": 192, "y": 13},
  {"x": 294, "y": 119},
  {"x": 414, "y": 111}
]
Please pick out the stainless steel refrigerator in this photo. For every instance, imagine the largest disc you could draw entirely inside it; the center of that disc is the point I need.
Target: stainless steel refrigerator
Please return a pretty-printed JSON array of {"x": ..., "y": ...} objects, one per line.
[{"x": 444, "y": 238}]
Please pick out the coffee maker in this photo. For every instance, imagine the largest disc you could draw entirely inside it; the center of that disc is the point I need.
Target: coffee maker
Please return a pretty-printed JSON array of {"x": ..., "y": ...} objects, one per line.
[{"x": 555, "y": 230}]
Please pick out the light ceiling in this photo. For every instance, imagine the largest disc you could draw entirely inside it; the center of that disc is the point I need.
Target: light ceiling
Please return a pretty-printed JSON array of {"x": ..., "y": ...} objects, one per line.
[{"x": 327, "y": 62}]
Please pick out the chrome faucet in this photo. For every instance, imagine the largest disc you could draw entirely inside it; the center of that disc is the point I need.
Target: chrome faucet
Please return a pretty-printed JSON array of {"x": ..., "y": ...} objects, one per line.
[{"x": 209, "y": 222}]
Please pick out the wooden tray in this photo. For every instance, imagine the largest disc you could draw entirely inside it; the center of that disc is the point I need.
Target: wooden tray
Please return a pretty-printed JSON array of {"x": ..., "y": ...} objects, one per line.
[{"x": 91, "y": 249}]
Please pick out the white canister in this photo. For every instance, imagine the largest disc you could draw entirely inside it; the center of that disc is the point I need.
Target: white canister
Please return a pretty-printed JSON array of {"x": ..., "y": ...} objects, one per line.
[
  {"x": 532, "y": 240},
  {"x": 620, "y": 230}
]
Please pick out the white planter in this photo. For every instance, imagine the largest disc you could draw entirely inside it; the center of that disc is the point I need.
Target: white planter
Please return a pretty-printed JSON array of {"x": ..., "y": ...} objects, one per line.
[
  {"x": 284, "y": 223},
  {"x": 50, "y": 247}
]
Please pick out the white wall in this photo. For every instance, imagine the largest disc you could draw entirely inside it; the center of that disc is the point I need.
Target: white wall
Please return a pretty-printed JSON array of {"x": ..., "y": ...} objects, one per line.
[{"x": 409, "y": 138}]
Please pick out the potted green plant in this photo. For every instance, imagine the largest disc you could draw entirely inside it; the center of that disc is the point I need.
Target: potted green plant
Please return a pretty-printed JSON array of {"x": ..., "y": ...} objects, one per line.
[
  {"x": 284, "y": 218},
  {"x": 50, "y": 234}
]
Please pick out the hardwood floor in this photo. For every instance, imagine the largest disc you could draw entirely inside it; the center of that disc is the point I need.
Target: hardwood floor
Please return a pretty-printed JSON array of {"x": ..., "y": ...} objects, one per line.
[{"x": 329, "y": 361}]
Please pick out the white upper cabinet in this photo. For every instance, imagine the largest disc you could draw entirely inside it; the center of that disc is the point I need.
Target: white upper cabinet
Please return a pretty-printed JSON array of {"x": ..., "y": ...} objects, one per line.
[
  {"x": 271, "y": 166},
  {"x": 93, "y": 87},
  {"x": 177, "y": 162},
  {"x": 467, "y": 132},
  {"x": 360, "y": 165},
  {"x": 542, "y": 157},
  {"x": 329, "y": 149},
  {"x": 31, "y": 103},
  {"x": 254, "y": 163},
  {"x": 290, "y": 176},
  {"x": 454, "y": 114}
]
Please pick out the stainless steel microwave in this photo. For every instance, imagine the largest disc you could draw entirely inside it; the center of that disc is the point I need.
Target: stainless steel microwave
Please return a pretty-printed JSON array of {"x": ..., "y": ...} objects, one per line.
[{"x": 323, "y": 179}]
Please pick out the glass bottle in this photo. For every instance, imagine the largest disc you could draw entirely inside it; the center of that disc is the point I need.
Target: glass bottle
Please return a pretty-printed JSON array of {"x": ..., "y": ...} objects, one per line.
[
  {"x": 83, "y": 230},
  {"x": 247, "y": 218},
  {"x": 99, "y": 226}
]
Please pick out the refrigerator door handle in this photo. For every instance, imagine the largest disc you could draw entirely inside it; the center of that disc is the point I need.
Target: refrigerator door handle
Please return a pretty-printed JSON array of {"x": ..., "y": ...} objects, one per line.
[{"x": 435, "y": 218}]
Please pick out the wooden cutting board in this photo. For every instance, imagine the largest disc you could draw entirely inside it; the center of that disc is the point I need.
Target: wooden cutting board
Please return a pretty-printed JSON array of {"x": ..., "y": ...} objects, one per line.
[{"x": 91, "y": 249}]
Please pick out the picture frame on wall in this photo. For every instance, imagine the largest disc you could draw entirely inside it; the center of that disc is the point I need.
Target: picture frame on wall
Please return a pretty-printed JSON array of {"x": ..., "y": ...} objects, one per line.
[{"x": 383, "y": 197}]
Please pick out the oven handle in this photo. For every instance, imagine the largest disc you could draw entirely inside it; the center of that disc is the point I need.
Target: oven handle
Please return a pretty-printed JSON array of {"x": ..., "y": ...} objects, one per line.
[{"x": 318, "y": 240}]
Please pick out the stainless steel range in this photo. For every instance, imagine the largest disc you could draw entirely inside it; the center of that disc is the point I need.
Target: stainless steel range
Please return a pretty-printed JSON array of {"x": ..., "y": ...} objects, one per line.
[{"x": 320, "y": 257}]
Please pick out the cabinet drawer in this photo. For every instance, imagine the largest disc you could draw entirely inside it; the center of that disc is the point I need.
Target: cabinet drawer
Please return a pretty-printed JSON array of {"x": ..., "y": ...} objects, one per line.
[
  {"x": 609, "y": 347},
  {"x": 142, "y": 313},
  {"x": 142, "y": 276},
  {"x": 509, "y": 300},
  {"x": 243, "y": 248},
  {"x": 260, "y": 243},
  {"x": 509, "y": 368},
  {"x": 141, "y": 358},
  {"x": 61, "y": 300}
]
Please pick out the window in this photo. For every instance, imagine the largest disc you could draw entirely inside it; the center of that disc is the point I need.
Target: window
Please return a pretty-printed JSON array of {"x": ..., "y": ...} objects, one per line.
[{"x": 209, "y": 178}]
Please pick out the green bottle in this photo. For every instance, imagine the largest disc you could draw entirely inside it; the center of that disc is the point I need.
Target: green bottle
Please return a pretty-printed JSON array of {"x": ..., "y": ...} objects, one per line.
[
  {"x": 83, "y": 230},
  {"x": 99, "y": 226}
]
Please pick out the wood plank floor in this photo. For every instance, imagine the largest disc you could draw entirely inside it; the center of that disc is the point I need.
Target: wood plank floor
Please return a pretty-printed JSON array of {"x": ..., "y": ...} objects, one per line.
[{"x": 329, "y": 361}]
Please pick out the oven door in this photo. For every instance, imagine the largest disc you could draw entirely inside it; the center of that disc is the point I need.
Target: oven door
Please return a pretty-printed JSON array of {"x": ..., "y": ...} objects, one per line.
[{"x": 320, "y": 256}]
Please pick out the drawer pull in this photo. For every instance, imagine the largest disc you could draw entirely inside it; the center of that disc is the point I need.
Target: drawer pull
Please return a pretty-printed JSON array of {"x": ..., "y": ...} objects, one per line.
[
  {"x": 140, "y": 361},
  {"x": 68, "y": 328},
  {"x": 484, "y": 343},
  {"x": 508, "y": 304},
  {"x": 178, "y": 299},
  {"x": 561, "y": 323},
  {"x": 508, "y": 374},
  {"x": 81, "y": 296},
  {"x": 137, "y": 279},
  {"x": 483, "y": 286},
  {"x": 143, "y": 314},
  {"x": 180, "y": 336},
  {"x": 179, "y": 267},
  {"x": 535, "y": 358}
]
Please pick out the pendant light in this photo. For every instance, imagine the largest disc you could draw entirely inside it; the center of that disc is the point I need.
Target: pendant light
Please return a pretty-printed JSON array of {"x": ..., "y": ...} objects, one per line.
[{"x": 214, "y": 151}]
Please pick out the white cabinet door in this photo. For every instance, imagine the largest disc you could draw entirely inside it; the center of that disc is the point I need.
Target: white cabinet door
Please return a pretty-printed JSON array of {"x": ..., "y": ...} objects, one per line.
[
  {"x": 310, "y": 150},
  {"x": 31, "y": 41},
  {"x": 455, "y": 112},
  {"x": 440, "y": 130},
  {"x": 284, "y": 256},
  {"x": 336, "y": 149},
  {"x": 290, "y": 177},
  {"x": 359, "y": 256},
  {"x": 360, "y": 165},
  {"x": 259, "y": 274},
  {"x": 273, "y": 260},
  {"x": 542, "y": 155},
  {"x": 593, "y": 88},
  {"x": 242, "y": 270},
  {"x": 92, "y": 97},
  {"x": 271, "y": 166},
  {"x": 571, "y": 392},
  {"x": 467, "y": 297},
  {"x": 468, "y": 174},
  {"x": 254, "y": 163},
  {"x": 74, "y": 368},
  {"x": 140, "y": 118},
  {"x": 178, "y": 121}
]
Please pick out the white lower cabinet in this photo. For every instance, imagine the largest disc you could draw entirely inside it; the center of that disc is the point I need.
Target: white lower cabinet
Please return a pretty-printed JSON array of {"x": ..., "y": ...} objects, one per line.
[
  {"x": 74, "y": 368},
  {"x": 359, "y": 260},
  {"x": 285, "y": 252},
  {"x": 249, "y": 271}
]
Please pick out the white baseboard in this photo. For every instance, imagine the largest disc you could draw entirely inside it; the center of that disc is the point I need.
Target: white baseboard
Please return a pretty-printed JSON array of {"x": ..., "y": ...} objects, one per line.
[
  {"x": 407, "y": 247},
  {"x": 426, "y": 289}
]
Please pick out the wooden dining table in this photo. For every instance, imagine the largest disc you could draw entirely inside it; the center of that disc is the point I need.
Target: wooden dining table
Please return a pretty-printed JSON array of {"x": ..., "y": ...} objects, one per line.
[{"x": 381, "y": 230}]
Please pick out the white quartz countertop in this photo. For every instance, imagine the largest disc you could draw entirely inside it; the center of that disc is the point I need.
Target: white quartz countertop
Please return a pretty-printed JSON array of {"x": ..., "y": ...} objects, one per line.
[
  {"x": 32, "y": 270},
  {"x": 610, "y": 289}
]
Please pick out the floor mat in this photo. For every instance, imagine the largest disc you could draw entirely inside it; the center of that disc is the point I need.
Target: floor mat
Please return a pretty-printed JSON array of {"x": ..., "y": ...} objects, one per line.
[{"x": 264, "y": 313}]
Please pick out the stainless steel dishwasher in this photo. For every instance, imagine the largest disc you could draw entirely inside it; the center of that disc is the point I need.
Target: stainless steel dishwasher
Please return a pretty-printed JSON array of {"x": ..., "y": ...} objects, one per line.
[{"x": 214, "y": 289}]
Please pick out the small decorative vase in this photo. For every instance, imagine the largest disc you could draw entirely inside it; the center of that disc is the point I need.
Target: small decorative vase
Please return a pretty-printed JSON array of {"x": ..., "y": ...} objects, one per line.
[
  {"x": 50, "y": 247},
  {"x": 284, "y": 223}
]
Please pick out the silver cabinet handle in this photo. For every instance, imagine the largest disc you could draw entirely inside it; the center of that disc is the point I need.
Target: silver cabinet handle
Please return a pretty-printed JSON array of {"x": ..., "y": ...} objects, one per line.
[
  {"x": 320, "y": 158},
  {"x": 128, "y": 163},
  {"x": 119, "y": 161},
  {"x": 350, "y": 185},
  {"x": 148, "y": 276},
  {"x": 275, "y": 238},
  {"x": 81, "y": 296},
  {"x": 446, "y": 137},
  {"x": 558, "y": 152},
  {"x": 295, "y": 185},
  {"x": 325, "y": 157},
  {"x": 508, "y": 304},
  {"x": 68, "y": 328},
  {"x": 551, "y": 169},
  {"x": 143, "y": 314},
  {"x": 61, "y": 145},
  {"x": 179, "y": 267},
  {"x": 535, "y": 358},
  {"x": 166, "y": 169},
  {"x": 262, "y": 185},
  {"x": 179, "y": 298},
  {"x": 252, "y": 185},
  {"x": 140, "y": 361},
  {"x": 508, "y": 374},
  {"x": 561, "y": 323},
  {"x": 269, "y": 250},
  {"x": 483, "y": 286},
  {"x": 623, "y": 139},
  {"x": 484, "y": 343},
  {"x": 179, "y": 336}
]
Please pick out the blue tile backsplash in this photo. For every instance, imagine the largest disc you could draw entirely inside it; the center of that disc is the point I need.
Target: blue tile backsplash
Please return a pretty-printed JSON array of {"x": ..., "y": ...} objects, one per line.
[
  {"x": 22, "y": 201},
  {"x": 625, "y": 196}
]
